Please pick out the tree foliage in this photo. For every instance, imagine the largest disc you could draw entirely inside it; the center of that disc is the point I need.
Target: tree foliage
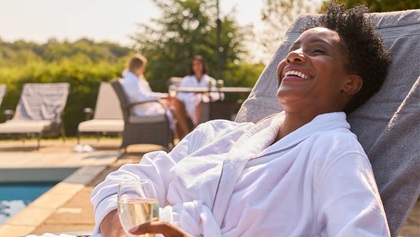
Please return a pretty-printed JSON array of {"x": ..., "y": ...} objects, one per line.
[
  {"x": 277, "y": 16},
  {"x": 188, "y": 28},
  {"x": 382, "y": 5},
  {"x": 21, "y": 52}
]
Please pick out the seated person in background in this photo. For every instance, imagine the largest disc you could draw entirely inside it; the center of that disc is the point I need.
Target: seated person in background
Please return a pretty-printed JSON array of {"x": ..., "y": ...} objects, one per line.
[
  {"x": 137, "y": 89},
  {"x": 298, "y": 173},
  {"x": 198, "y": 78}
]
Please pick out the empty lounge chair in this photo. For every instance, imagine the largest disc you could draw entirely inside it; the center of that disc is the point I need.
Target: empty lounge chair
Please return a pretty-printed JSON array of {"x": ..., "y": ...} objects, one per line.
[
  {"x": 108, "y": 117},
  {"x": 39, "y": 111}
]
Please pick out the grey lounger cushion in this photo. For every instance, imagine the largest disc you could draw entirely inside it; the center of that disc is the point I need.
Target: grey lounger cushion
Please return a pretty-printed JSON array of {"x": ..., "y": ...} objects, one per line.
[{"x": 39, "y": 108}]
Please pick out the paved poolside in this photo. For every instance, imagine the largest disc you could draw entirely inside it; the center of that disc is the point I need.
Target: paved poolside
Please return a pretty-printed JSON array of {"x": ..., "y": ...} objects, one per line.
[{"x": 66, "y": 207}]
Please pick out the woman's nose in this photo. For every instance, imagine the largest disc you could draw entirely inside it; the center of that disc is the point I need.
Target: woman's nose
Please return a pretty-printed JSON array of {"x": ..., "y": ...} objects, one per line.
[{"x": 295, "y": 56}]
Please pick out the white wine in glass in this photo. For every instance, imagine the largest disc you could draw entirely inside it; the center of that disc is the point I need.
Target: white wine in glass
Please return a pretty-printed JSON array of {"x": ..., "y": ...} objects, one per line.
[
  {"x": 172, "y": 91},
  {"x": 137, "y": 204}
]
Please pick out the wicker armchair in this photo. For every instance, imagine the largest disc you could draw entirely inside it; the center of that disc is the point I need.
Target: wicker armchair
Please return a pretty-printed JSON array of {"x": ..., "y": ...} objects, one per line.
[
  {"x": 219, "y": 110},
  {"x": 142, "y": 130}
]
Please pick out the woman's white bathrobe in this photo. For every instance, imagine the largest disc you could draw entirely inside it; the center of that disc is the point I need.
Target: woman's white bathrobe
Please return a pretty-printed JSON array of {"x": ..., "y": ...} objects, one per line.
[
  {"x": 138, "y": 90},
  {"x": 226, "y": 179},
  {"x": 191, "y": 100}
]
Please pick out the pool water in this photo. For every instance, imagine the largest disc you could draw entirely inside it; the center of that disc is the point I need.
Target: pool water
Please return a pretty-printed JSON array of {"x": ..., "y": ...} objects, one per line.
[{"x": 16, "y": 196}]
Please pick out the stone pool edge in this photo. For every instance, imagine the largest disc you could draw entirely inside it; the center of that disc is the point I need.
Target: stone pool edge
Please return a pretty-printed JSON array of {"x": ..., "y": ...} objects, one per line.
[{"x": 27, "y": 220}]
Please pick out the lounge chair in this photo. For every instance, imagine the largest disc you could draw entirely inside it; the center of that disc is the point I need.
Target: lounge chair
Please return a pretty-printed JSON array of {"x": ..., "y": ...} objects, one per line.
[
  {"x": 2, "y": 92},
  {"x": 387, "y": 125},
  {"x": 142, "y": 130},
  {"x": 108, "y": 117},
  {"x": 7, "y": 113},
  {"x": 39, "y": 111}
]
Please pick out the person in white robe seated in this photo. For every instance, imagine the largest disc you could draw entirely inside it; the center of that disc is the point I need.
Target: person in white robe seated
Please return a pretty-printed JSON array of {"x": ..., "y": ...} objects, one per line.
[
  {"x": 301, "y": 172},
  {"x": 137, "y": 89},
  {"x": 198, "y": 78}
]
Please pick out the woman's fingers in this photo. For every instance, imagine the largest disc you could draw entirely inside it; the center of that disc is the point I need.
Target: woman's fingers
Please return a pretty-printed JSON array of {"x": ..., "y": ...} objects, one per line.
[
  {"x": 144, "y": 229},
  {"x": 159, "y": 227}
]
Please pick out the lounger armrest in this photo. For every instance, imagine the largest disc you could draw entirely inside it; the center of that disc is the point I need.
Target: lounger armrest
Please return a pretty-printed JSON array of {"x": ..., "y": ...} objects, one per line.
[
  {"x": 88, "y": 113},
  {"x": 59, "y": 117},
  {"x": 8, "y": 114}
]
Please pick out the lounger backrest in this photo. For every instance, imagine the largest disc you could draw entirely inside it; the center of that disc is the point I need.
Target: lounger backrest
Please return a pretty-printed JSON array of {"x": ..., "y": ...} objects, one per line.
[
  {"x": 42, "y": 101},
  {"x": 123, "y": 99},
  {"x": 388, "y": 125},
  {"x": 2, "y": 92},
  {"x": 107, "y": 103}
]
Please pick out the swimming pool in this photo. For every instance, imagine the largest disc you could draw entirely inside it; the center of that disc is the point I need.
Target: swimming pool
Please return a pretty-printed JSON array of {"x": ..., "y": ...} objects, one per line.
[
  {"x": 14, "y": 197},
  {"x": 20, "y": 187}
]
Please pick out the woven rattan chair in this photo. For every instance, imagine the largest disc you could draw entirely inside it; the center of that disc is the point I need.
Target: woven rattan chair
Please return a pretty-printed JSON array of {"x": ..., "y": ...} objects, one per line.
[
  {"x": 39, "y": 111},
  {"x": 142, "y": 130}
]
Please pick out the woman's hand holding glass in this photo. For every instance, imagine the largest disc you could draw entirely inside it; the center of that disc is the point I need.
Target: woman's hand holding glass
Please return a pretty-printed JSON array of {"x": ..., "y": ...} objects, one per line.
[
  {"x": 160, "y": 227},
  {"x": 137, "y": 204}
]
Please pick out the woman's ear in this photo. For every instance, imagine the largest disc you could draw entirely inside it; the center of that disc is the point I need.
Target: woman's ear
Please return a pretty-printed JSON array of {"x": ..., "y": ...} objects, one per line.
[{"x": 353, "y": 84}]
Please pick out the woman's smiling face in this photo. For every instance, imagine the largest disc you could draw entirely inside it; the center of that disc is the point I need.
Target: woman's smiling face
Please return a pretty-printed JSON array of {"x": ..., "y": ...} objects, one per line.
[
  {"x": 313, "y": 75},
  {"x": 197, "y": 67}
]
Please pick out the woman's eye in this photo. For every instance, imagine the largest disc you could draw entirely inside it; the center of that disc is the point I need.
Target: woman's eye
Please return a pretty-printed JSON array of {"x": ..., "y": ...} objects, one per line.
[{"x": 317, "y": 50}]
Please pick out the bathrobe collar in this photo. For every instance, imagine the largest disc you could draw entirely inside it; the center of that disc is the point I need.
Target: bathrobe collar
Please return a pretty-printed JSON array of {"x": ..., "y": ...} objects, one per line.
[{"x": 129, "y": 74}]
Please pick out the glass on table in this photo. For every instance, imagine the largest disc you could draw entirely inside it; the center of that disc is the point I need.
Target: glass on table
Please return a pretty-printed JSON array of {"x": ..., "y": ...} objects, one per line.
[
  {"x": 209, "y": 85},
  {"x": 172, "y": 91},
  {"x": 172, "y": 96},
  {"x": 219, "y": 84},
  {"x": 137, "y": 204}
]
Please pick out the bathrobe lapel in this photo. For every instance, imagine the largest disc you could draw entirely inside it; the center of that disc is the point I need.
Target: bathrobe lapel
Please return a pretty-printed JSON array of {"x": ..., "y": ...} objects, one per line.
[{"x": 248, "y": 146}]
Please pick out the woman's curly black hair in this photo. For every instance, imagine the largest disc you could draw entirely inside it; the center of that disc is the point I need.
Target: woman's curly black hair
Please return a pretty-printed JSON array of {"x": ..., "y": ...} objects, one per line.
[{"x": 366, "y": 53}]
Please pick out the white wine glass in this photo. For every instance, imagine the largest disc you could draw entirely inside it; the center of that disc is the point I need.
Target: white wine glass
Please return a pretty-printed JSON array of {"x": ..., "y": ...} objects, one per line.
[
  {"x": 172, "y": 91},
  {"x": 172, "y": 95},
  {"x": 137, "y": 204},
  {"x": 220, "y": 84}
]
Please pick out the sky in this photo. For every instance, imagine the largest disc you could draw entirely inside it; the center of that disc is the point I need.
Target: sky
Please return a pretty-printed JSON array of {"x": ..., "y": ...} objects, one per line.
[{"x": 99, "y": 20}]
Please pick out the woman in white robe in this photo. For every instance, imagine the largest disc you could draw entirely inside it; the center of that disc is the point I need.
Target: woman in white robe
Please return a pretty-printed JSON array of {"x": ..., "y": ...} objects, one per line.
[
  {"x": 137, "y": 89},
  {"x": 298, "y": 173},
  {"x": 198, "y": 78}
]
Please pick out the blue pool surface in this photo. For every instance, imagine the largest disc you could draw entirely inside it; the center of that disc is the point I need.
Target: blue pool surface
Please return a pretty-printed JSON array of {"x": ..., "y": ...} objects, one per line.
[{"x": 16, "y": 196}]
